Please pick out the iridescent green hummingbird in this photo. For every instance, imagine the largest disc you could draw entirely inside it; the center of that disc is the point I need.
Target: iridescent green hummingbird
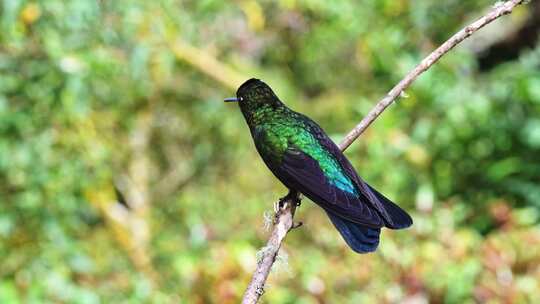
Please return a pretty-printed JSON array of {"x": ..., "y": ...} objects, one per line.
[{"x": 305, "y": 159}]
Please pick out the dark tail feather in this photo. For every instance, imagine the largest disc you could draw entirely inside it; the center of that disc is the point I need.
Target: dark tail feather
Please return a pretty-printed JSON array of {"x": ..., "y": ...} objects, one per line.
[
  {"x": 399, "y": 218},
  {"x": 360, "y": 238}
]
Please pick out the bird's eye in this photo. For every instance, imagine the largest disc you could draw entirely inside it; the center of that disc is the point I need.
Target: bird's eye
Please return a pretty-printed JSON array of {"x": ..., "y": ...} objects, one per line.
[{"x": 240, "y": 99}]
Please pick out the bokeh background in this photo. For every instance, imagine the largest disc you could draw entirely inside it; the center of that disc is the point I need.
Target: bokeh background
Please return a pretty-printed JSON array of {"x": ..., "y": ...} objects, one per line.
[{"x": 124, "y": 178}]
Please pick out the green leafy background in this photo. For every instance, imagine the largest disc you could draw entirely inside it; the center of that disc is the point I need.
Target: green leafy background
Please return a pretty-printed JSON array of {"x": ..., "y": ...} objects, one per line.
[{"x": 97, "y": 94}]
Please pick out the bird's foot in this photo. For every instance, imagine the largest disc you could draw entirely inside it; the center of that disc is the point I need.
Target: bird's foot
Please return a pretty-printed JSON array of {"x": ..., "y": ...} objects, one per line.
[
  {"x": 278, "y": 205},
  {"x": 297, "y": 225},
  {"x": 297, "y": 199},
  {"x": 292, "y": 196},
  {"x": 281, "y": 204}
]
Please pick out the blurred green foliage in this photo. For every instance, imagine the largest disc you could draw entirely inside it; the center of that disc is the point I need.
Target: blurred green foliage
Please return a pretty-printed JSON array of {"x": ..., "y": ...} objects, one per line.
[{"x": 128, "y": 93}]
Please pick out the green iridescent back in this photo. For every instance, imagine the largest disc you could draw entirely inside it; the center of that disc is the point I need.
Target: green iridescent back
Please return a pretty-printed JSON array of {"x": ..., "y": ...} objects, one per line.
[{"x": 275, "y": 129}]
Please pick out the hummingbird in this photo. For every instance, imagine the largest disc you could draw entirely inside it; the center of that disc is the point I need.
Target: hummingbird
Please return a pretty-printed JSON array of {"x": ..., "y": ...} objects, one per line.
[{"x": 302, "y": 156}]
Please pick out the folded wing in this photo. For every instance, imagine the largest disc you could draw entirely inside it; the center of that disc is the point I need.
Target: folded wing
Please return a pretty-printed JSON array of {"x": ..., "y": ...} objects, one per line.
[{"x": 301, "y": 172}]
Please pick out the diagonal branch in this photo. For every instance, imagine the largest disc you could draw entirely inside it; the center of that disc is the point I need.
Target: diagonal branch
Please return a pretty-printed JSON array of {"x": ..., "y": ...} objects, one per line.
[
  {"x": 500, "y": 9},
  {"x": 284, "y": 217}
]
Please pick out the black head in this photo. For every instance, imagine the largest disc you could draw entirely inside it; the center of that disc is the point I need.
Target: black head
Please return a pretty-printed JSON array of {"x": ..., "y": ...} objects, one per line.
[{"x": 254, "y": 94}]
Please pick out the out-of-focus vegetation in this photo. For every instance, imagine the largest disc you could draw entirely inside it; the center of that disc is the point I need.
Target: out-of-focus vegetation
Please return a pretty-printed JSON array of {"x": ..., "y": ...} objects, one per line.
[{"x": 128, "y": 94}]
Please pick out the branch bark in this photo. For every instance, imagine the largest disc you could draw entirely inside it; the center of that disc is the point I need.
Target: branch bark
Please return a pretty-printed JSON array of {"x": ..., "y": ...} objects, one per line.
[{"x": 284, "y": 217}]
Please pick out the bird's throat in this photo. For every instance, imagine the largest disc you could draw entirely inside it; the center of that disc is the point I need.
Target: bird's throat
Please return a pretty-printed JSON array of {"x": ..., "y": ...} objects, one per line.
[{"x": 262, "y": 114}]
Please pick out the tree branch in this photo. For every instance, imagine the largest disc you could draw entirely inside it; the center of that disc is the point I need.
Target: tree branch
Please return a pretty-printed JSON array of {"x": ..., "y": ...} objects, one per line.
[
  {"x": 284, "y": 217},
  {"x": 498, "y": 10}
]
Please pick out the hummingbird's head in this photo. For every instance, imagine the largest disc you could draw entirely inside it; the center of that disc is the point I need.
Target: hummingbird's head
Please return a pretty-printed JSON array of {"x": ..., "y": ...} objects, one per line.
[{"x": 254, "y": 94}]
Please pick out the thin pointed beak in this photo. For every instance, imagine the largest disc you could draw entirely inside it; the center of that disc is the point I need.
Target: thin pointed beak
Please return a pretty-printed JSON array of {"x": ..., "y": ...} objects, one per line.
[{"x": 231, "y": 99}]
